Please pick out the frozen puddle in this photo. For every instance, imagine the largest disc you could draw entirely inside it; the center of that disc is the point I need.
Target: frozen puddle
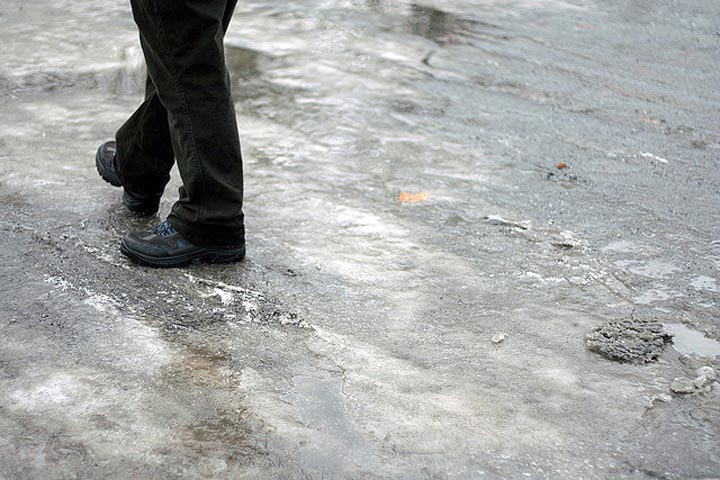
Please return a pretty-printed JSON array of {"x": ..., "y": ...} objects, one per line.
[{"x": 690, "y": 341}]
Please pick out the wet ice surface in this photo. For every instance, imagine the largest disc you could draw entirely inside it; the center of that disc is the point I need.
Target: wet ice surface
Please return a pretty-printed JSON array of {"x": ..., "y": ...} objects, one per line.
[
  {"x": 357, "y": 338},
  {"x": 692, "y": 342}
]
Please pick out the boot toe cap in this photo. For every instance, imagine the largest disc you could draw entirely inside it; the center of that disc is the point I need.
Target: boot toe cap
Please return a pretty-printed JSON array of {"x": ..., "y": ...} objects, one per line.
[{"x": 142, "y": 243}]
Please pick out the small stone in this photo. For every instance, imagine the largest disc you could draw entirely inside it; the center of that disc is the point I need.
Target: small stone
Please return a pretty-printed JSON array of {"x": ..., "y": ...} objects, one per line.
[
  {"x": 499, "y": 337},
  {"x": 663, "y": 398},
  {"x": 682, "y": 385},
  {"x": 700, "y": 381}
]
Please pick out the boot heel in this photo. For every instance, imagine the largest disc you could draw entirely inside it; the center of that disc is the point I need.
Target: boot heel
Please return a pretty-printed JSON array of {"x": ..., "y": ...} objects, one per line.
[{"x": 226, "y": 256}]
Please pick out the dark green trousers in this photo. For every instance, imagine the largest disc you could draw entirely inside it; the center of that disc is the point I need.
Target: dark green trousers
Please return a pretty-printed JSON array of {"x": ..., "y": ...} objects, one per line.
[{"x": 188, "y": 115}]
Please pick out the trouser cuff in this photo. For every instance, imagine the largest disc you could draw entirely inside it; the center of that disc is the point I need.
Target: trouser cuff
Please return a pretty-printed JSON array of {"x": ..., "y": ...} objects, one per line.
[{"x": 209, "y": 235}]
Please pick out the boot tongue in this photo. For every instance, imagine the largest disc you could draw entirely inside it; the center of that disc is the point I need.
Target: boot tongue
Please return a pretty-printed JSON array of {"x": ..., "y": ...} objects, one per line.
[{"x": 165, "y": 229}]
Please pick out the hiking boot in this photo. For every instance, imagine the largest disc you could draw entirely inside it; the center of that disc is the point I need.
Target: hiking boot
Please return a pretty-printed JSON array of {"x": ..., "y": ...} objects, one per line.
[
  {"x": 141, "y": 204},
  {"x": 165, "y": 247}
]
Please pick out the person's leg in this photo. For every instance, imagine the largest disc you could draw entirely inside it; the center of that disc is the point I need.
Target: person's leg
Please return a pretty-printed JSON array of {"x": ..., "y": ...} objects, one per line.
[
  {"x": 144, "y": 153},
  {"x": 227, "y": 16},
  {"x": 183, "y": 45}
]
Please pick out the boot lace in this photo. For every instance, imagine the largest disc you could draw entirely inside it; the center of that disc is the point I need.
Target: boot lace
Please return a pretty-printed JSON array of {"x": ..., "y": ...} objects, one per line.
[{"x": 165, "y": 229}]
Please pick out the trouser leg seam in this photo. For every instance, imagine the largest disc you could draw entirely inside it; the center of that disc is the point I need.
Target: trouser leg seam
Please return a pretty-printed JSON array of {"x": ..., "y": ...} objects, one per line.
[{"x": 186, "y": 113}]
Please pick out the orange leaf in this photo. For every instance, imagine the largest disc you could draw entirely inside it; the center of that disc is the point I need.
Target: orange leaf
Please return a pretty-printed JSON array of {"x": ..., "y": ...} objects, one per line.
[
  {"x": 406, "y": 197},
  {"x": 562, "y": 165}
]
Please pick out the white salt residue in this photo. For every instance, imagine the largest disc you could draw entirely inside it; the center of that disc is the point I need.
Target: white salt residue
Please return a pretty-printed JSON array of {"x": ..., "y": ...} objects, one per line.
[
  {"x": 536, "y": 277},
  {"x": 363, "y": 222},
  {"x": 652, "y": 268},
  {"x": 102, "y": 303},
  {"x": 569, "y": 237},
  {"x": 656, "y": 295},
  {"x": 704, "y": 283},
  {"x": 226, "y": 297},
  {"x": 653, "y": 157},
  {"x": 250, "y": 300},
  {"x": 104, "y": 255},
  {"x": 622, "y": 246},
  {"x": 58, "y": 282},
  {"x": 498, "y": 220},
  {"x": 58, "y": 390},
  {"x": 228, "y": 293},
  {"x": 532, "y": 276},
  {"x": 99, "y": 301}
]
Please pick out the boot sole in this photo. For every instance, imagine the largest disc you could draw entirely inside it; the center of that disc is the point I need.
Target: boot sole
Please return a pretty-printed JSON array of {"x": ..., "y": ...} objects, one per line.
[
  {"x": 115, "y": 182},
  {"x": 212, "y": 256},
  {"x": 138, "y": 210}
]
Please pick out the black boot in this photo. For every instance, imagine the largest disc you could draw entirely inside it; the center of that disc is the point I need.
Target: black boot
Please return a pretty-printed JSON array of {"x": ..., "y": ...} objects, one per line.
[
  {"x": 141, "y": 204},
  {"x": 165, "y": 247}
]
